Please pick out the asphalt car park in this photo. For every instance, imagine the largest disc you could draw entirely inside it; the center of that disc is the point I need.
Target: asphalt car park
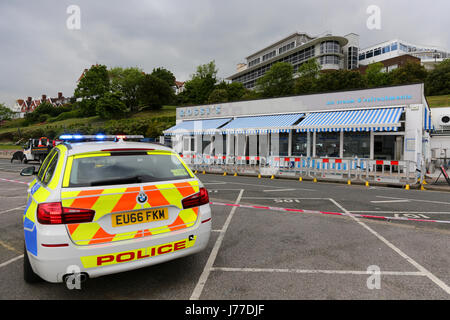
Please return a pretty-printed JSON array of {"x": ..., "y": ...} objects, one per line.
[{"x": 259, "y": 253}]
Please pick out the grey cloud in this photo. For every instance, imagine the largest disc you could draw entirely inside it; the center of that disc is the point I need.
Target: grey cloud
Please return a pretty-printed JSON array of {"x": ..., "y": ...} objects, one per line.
[{"x": 40, "y": 55}]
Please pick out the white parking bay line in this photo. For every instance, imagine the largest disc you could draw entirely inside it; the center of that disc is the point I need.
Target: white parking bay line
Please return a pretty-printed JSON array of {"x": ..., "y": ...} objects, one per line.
[
  {"x": 420, "y": 200},
  {"x": 358, "y": 272},
  {"x": 427, "y": 273},
  {"x": 212, "y": 257},
  {"x": 281, "y": 190},
  {"x": 214, "y": 183},
  {"x": 389, "y": 201},
  {"x": 9, "y": 210},
  {"x": 10, "y": 261}
]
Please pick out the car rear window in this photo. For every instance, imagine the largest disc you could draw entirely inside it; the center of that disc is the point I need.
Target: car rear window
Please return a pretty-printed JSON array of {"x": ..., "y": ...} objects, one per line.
[{"x": 125, "y": 169}]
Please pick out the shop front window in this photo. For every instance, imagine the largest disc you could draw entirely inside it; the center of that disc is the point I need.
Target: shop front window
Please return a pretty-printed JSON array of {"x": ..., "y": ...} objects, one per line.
[
  {"x": 327, "y": 144},
  {"x": 357, "y": 144},
  {"x": 299, "y": 144},
  {"x": 284, "y": 144}
]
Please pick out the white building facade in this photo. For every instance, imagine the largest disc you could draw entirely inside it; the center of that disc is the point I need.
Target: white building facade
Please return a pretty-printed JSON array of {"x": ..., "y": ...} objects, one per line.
[
  {"x": 332, "y": 53},
  {"x": 428, "y": 55},
  {"x": 390, "y": 123}
]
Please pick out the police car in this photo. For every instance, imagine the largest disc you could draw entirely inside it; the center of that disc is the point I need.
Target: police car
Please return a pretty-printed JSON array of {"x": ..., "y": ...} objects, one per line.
[{"x": 102, "y": 207}]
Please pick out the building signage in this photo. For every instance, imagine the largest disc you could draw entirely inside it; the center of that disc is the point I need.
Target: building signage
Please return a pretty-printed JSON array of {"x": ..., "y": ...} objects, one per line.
[
  {"x": 369, "y": 100},
  {"x": 200, "y": 111},
  {"x": 330, "y": 101}
]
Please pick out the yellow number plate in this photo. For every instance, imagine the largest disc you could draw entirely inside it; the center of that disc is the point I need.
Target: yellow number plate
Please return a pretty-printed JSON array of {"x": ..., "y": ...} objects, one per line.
[{"x": 142, "y": 216}]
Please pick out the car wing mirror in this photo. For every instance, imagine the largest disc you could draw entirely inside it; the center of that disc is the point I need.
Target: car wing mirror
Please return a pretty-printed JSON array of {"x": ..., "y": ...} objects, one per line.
[{"x": 28, "y": 171}]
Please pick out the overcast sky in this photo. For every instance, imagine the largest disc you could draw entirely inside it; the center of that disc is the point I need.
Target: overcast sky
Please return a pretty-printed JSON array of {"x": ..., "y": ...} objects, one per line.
[{"x": 40, "y": 55}]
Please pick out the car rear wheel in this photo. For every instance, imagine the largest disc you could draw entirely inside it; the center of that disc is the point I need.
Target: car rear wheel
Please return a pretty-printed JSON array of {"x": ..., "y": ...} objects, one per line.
[{"x": 28, "y": 274}]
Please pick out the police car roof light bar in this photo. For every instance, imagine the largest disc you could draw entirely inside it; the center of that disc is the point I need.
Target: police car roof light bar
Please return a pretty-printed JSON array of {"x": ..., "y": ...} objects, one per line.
[{"x": 97, "y": 137}]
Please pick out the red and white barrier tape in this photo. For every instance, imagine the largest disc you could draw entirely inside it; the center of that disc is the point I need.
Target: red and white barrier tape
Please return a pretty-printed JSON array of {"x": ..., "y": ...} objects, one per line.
[
  {"x": 16, "y": 181},
  {"x": 323, "y": 212}
]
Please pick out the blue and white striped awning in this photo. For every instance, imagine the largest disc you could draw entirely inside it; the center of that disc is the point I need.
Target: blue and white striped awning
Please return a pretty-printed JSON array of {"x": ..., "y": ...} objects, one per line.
[
  {"x": 386, "y": 119},
  {"x": 207, "y": 126},
  {"x": 262, "y": 124},
  {"x": 427, "y": 125}
]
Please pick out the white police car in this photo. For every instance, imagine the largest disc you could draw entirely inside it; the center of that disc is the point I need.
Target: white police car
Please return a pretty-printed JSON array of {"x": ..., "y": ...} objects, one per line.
[{"x": 103, "y": 207}]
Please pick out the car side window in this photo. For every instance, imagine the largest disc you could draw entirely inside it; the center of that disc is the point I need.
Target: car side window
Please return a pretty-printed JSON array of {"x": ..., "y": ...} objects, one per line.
[
  {"x": 51, "y": 170},
  {"x": 44, "y": 165}
]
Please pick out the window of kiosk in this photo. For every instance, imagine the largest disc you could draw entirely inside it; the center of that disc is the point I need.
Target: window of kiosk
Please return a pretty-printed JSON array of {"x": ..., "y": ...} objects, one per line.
[
  {"x": 357, "y": 144},
  {"x": 299, "y": 143},
  {"x": 284, "y": 144},
  {"x": 327, "y": 144}
]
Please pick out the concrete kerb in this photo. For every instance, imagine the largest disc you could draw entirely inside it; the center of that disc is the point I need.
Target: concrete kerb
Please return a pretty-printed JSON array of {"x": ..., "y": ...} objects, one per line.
[{"x": 415, "y": 186}]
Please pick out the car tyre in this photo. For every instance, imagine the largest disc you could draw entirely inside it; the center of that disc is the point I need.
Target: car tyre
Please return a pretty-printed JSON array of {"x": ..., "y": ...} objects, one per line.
[{"x": 28, "y": 274}]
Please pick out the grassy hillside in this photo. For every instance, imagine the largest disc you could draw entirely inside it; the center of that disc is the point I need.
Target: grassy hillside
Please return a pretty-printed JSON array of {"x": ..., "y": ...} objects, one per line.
[
  {"x": 439, "y": 101},
  {"x": 148, "y": 123}
]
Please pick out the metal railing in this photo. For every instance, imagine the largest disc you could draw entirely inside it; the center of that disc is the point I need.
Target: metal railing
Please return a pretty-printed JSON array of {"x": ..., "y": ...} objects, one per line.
[{"x": 337, "y": 169}]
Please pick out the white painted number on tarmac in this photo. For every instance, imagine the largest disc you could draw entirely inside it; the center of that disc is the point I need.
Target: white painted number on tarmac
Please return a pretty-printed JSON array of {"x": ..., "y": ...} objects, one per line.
[
  {"x": 410, "y": 215},
  {"x": 286, "y": 200}
]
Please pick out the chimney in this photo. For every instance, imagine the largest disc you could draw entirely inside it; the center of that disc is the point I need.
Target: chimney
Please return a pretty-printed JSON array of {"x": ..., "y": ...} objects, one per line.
[
  {"x": 60, "y": 95},
  {"x": 44, "y": 97}
]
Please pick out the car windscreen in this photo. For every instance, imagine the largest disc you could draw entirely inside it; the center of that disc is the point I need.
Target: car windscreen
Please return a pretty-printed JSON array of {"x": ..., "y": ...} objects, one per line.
[{"x": 125, "y": 169}]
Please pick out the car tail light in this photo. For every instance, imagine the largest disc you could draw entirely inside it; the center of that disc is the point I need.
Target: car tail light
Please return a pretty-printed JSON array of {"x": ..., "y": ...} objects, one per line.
[
  {"x": 196, "y": 200},
  {"x": 54, "y": 213}
]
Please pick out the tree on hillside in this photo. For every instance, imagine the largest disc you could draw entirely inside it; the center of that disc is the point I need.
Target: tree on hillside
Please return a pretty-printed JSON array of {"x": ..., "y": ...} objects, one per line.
[
  {"x": 218, "y": 96},
  {"x": 278, "y": 81},
  {"x": 198, "y": 89},
  {"x": 154, "y": 92},
  {"x": 375, "y": 77},
  {"x": 92, "y": 86},
  {"x": 307, "y": 74},
  {"x": 127, "y": 81},
  {"x": 340, "y": 80},
  {"x": 5, "y": 112},
  {"x": 410, "y": 72},
  {"x": 165, "y": 75},
  {"x": 438, "y": 80},
  {"x": 235, "y": 91},
  {"x": 111, "y": 106}
]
